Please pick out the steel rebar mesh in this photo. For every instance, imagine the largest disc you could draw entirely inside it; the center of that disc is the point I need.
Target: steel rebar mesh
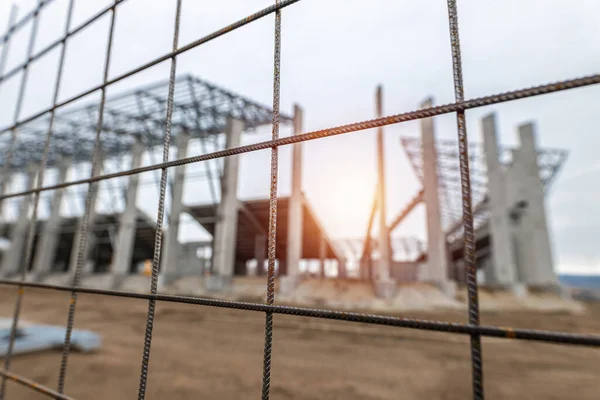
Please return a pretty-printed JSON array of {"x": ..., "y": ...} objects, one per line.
[{"x": 472, "y": 328}]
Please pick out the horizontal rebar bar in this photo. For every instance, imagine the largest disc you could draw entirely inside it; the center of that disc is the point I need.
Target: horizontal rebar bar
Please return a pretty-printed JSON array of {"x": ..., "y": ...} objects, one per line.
[
  {"x": 339, "y": 130},
  {"x": 21, "y": 380},
  {"x": 411, "y": 323},
  {"x": 56, "y": 43},
  {"x": 251, "y": 18}
]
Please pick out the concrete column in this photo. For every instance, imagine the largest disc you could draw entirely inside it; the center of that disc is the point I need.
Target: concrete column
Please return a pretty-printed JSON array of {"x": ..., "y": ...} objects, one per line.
[
  {"x": 289, "y": 269},
  {"x": 502, "y": 270},
  {"x": 251, "y": 271},
  {"x": 295, "y": 213},
  {"x": 437, "y": 258},
  {"x": 260, "y": 253},
  {"x": 123, "y": 253},
  {"x": 13, "y": 258},
  {"x": 91, "y": 237},
  {"x": 45, "y": 251},
  {"x": 383, "y": 265},
  {"x": 171, "y": 246},
  {"x": 224, "y": 240},
  {"x": 384, "y": 286},
  {"x": 322, "y": 256},
  {"x": 535, "y": 264},
  {"x": 4, "y": 182}
]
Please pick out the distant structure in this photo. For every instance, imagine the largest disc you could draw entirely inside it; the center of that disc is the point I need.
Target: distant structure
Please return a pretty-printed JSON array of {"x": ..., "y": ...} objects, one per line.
[
  {"x": 513, "y": 248},
  {"x": 509, "y": 185},
  {"x": 121, "y": 240}
]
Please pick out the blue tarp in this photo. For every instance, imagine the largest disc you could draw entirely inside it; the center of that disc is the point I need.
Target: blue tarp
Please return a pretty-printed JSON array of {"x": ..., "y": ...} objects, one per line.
[{"x": 33, "y": 337}]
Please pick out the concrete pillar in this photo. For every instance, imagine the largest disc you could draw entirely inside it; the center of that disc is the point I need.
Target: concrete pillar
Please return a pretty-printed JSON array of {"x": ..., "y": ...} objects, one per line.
[
  {"x": 260, "y": 253},
  {"x": 502, "y": 270},
  {"x": 436, "y": 268},
  {"x": 384, "y": 286},
  {"x": 343, "y": 270},
  {"x": 534, "y": 251},
  {"x": 251, "y": 271},
  {"x": 383, "y": 265},
  {"x": 171, "y": 246},
  {"x": 88, "y": 264},
  {"x": 282, "y": 273},
  {"x": 224, "y": 240},
  {"x": 322, "y": 256},
  {"x": 290, "y": 272},
  {"x": 45, "y": 251},
  {"x": 122, "y": 256},
  {"x": 5, "y": 47},
  {"x": 4, "y": 182},
  {"x": 295, "y": 209},
  {"x": 13, "y": 257}
]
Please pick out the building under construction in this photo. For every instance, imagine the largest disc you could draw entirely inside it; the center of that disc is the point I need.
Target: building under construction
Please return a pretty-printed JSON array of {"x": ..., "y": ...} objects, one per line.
[
  {"x": 121, "y": 235},
  {"x": 512, "y": 241}
]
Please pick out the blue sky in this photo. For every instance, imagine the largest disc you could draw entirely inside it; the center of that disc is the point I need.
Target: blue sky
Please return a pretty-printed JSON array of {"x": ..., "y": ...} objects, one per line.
[{"x": 335, "y": 53}]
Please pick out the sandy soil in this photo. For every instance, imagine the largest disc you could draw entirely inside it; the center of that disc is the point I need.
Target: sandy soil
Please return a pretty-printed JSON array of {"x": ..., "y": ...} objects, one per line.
[{"x": 211, "y": 353}]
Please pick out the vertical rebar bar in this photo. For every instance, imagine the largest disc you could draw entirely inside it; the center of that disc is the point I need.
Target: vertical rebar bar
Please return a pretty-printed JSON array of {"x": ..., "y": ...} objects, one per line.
[
  {"x": 272, "y": 244},
  {"x": 161, "y": 213},
  {"x": 24, "y": 20},
  {"x": 36, "y": 200},
  {"x": 20, "y": 97},
  {"x": 91, "y": 192},
  {"x": 3, "y": 57},
  {"x": 6, "y": 42},
  {"x": 6, "y": 169},
  {"x": 469, "y": 237}
]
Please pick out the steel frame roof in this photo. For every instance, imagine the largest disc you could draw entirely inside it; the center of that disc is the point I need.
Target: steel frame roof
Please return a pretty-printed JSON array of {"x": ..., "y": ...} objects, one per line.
[
  {"x": 549, "y": 160},
  {"x": 200, "y": 108}
]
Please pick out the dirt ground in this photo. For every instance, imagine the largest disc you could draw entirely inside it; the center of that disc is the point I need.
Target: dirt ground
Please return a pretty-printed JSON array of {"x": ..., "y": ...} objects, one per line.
[{"x": 211, "y": 353}]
